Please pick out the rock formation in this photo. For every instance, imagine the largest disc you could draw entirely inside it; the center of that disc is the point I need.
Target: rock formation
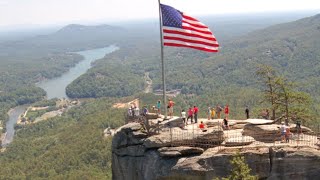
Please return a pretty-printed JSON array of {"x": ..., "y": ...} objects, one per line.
[{"x": 137, "y": 156}]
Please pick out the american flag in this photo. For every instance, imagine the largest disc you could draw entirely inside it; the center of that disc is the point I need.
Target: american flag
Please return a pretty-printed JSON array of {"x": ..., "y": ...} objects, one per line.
[{"x": 181, "y": 30}]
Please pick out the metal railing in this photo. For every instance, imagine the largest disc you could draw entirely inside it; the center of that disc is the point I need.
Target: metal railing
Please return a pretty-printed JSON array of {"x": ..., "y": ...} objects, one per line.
[{"x": 215, "y": 138}]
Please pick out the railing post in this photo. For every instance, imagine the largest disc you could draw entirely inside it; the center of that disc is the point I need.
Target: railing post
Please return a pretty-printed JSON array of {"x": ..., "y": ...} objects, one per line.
[{"x": 170, "y": 135}]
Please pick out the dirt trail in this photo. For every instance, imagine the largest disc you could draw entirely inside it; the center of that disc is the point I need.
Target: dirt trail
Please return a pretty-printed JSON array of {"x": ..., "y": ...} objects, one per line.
[{"x": 148, "y": 80}]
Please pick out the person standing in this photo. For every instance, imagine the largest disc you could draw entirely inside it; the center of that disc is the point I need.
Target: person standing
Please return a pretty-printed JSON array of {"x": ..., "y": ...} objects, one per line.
[
  {"x": 159, "y": 106},
  {"x": 288, "y": 133},
  {"x": 298, "y": 127},
  {"x": 247, "y": 112},
  {"x": 283, "y": 130},
  {"x": 190, "y": 115},
  {"x": 145, "y": 111},
  {"x": 226, "y": 112},
  {"x": 133, "y": 110},
  {"x": 218, "y": 111},
  {"x": 267, "y": 114},
  {"x": 209, "y": 113},
  {"x": 195, "y": 113},
  {"x": 183, "y": 117},
  {"x": 170, "y": 106},
  {"x": 213, "y": 113}
]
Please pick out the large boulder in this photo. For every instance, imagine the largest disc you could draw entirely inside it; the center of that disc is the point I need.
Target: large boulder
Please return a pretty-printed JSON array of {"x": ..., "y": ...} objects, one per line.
[
  {"x": 179, "y": 151},
  {"x": 258, "y": 121},
  {"x": 173, "y": 122},
  {"x": 239, "y": 141},
  {"x": 290, "y": 163},
  {"x": 128, "y": 135},
  {"x": 305, "y": 130},
  {"x": 157, "y": 141},
  {"x": 152, "y": 116},
  {"x": 217, "y": 163},
  {"x": 134, "y": 151},
  {"x": 263, "y": 133},
  {"x": 177, "y": 136}
]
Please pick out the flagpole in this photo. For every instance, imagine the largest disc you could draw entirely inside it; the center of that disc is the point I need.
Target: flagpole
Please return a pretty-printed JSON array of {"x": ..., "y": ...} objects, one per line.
[{"x": 162, "y": 65}]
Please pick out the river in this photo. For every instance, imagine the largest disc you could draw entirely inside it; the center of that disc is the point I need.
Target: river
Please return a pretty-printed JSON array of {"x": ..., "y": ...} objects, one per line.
[
  {"x": 13, "y": 118},
  {"x": 56, "y": 88}
]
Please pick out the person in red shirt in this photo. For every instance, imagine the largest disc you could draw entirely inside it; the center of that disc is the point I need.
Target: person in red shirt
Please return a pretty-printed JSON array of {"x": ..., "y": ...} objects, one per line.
[
  {"x": 170, "y": 107},
  {"x": 195, "y": 113},
  {"x": 202, "y": 127},
  {"x": 190, "y": 115},
  {"x": 226, "y": 111}
]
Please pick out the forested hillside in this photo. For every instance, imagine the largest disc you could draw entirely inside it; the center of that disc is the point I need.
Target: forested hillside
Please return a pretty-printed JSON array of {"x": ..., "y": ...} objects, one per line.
[
  {"x": 226, "y": 77},
  {"x": 72, "y": 146},
  {"x": 67, "y": 147},
  {"x": 26, "y": 61}
]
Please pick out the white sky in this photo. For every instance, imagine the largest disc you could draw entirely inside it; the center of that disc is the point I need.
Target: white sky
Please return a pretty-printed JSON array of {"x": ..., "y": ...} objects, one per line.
[{"x": 42, "y": 12}]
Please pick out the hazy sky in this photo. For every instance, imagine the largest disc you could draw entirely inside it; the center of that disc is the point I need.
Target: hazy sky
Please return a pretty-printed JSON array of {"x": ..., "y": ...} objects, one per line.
[{"x": 40, "y": 12}]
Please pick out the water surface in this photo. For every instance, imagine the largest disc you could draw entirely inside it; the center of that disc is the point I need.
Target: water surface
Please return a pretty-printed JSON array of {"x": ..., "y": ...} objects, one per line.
[
  {"x": 13, "y": 118},
  {"x": 56, "y": 88}
]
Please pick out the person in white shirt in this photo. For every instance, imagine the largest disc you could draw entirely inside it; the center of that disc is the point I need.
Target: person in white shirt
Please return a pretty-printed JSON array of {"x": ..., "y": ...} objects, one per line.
[
  {"x": 183, "y": 116},
  {"x": 283, "y": 131}
]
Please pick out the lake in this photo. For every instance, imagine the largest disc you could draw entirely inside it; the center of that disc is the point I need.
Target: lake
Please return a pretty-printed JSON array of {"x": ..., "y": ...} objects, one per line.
[{"x": 56, "y": 88}]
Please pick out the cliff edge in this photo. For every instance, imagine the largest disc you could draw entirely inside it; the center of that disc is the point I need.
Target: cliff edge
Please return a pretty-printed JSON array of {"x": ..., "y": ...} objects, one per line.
[{"x": 188, "y": 153}]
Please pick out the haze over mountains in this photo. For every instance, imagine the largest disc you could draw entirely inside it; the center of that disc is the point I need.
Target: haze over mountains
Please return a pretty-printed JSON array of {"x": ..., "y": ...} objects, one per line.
[{"x": 72, "y": 146}]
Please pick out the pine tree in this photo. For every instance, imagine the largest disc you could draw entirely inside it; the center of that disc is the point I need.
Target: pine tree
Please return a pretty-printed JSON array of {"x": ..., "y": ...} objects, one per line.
[{"x": 240, "y": 170}]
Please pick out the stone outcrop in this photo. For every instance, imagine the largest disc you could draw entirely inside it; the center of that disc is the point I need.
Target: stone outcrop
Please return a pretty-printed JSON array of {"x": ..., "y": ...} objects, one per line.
[
  {"x": 263, "y": 133},
  {"x": 179, "y": 151},
  {"x": 152, "y": 115},
  {"x": 239, "y": 141},
  {"x": 136, "y": 156},
  {"x": 304, "y": 130}
]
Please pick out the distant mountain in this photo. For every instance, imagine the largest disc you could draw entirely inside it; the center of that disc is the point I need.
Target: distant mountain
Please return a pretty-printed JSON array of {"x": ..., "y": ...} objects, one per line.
[
  {"x": 293, "y": 48},
  {"x": 70, "y": 38},
  {"x": 77, "y": 28}
]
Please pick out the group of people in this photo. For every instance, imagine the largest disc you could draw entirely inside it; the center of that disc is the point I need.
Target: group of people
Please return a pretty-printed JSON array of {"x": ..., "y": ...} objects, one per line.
[
  {"x": 286, "y": 133},
  {"x": 192, "y": 115},
  {"x": 134, "y": 111},
  {"x": 215, "y": 112}
]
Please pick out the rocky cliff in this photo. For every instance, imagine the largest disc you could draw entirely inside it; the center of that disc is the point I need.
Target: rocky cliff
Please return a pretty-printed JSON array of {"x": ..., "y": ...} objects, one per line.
[{"x": 137, "y": 156}]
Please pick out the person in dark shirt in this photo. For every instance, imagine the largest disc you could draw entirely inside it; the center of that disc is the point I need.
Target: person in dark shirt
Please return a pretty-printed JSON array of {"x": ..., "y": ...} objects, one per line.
[
  {"x": 218, "y": 111},
  {"x": 247, "y": 112},
  {"x": 225, "y": 124}
]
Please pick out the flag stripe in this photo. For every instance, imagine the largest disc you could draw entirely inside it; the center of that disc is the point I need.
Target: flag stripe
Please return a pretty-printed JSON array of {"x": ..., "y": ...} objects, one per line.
[
  {"x": 194, "y": 24},
  {"x": 189, "y": 37},
  {"x": 189, "y": 46},
  {"x": 189, "y": 17},
  {"x": 191, "y": 41},
  {"x": 200, "y": 30},
  {"x": 169, "y": 30}
]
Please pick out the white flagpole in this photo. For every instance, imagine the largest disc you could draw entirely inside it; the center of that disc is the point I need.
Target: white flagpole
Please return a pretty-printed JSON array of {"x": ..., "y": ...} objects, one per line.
[{"x": 162, "y": 64}]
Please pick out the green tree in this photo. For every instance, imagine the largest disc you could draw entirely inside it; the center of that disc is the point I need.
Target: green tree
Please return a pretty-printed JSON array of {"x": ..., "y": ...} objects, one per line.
[
  {"x": 240, "y": 170},
  {"x": 268, "y": 78},
  {"x": 286, "y": 101},
  {"x": 292, "y": 102}
]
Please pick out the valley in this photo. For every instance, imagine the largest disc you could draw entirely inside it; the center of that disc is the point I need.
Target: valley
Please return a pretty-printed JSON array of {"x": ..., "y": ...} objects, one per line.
[{"x": 71, "y": 144}]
